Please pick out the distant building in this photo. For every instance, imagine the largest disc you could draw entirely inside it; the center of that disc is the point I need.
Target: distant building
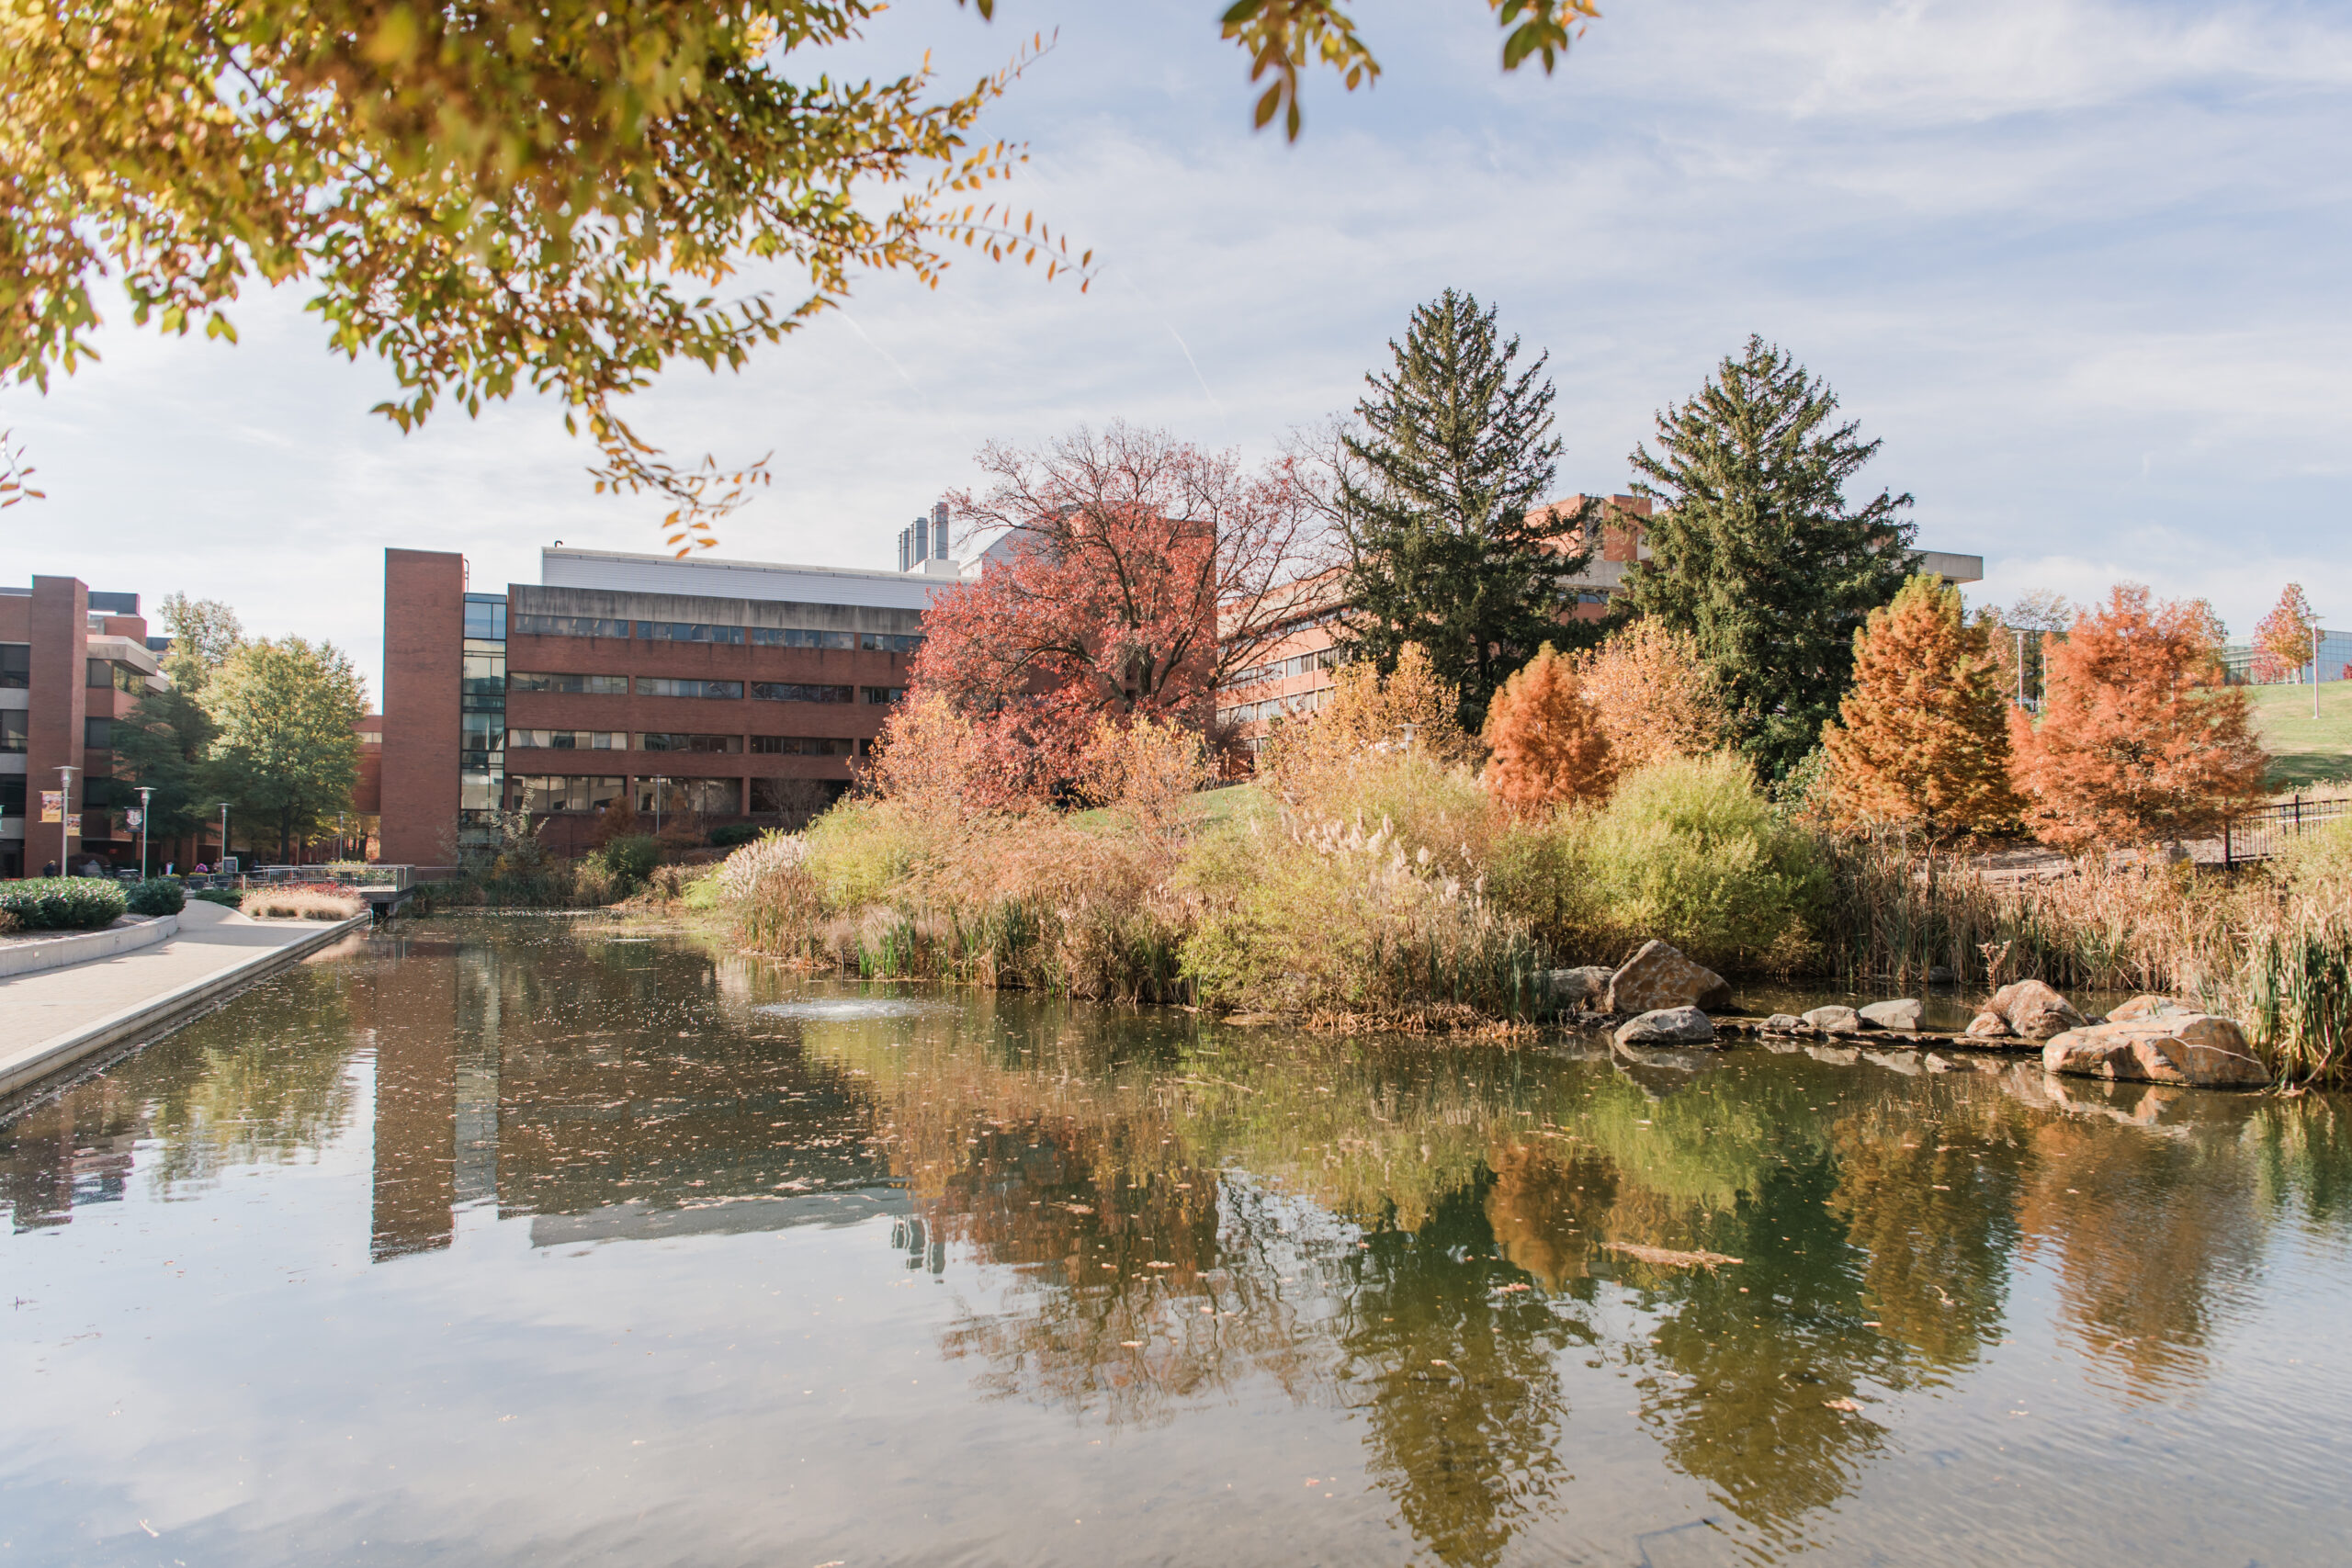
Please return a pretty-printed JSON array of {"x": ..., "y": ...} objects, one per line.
[
  {"x": 725, "y": 691},
  {"x": 2248, "y": 667},
  {"x": 73, "y": 664},
  {"x": 1296, "y": 676}
]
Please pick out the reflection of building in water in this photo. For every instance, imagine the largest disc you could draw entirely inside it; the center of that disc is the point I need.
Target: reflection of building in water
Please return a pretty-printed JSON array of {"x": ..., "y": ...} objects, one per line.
[
  {"x": 54, "y": 1162},
  {"x": 415, "y": 1171}
]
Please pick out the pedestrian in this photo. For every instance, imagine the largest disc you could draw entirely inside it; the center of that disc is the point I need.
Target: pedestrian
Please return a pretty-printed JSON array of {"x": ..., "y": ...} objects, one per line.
[{"x": 48, "y": 868}]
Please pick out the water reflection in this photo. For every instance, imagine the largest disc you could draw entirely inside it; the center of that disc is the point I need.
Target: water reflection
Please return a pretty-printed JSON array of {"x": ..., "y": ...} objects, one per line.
[{"x": 1477, "y": 1256}]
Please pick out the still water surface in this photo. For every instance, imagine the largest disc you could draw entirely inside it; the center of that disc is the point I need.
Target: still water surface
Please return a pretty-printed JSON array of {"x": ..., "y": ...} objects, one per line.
[{"x": 507, "y": 1241}]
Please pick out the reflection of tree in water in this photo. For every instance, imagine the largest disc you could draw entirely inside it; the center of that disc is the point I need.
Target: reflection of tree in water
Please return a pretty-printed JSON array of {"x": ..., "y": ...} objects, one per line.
[
  {"x": 266, "y": 1083},
  {"x": 1928, "y": 1187},
  {"x": 2149, "y": 1227},
  {"x": 1758, "y": 1350},
  {"x": 1464, "y": 1410}
]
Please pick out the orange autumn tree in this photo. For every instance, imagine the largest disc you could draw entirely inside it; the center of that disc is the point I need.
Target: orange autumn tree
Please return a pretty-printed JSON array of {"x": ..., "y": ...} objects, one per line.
[
  {"x": 1545, "y": 742},
  {"x": 1921, "y": 743},
  {"x": 1657, "y": 699},
  {"x": 2283, "y": 640},
  {"x": 2139, "y": 741}
]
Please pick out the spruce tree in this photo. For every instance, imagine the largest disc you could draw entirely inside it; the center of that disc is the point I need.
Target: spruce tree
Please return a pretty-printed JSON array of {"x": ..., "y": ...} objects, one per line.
[
  {"x": 1754, "y": 552},
  {"x": 1447, "y": 545}
]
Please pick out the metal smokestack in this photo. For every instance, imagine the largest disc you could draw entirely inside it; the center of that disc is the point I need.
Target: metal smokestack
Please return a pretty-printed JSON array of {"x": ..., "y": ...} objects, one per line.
[
  {"x": 922, "y": 541},
  {"x": 939, "y": 531},
  {"x": 903, "y": 562}
]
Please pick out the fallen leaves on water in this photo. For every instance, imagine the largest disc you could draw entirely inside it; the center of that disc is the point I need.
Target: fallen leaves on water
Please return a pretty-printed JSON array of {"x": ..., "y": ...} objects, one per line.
[
  {"x": 1846, "y": 1404},
  {"x": 1665, "y": 1257}
]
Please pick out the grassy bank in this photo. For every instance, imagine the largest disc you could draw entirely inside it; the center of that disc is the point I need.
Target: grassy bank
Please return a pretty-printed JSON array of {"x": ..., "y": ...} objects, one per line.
[{"x": 2306, "y": 753}]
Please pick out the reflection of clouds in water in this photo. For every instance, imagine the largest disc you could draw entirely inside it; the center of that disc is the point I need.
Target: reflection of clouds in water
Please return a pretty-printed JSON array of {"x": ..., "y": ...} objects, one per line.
[{"x": 840, "y": 1010}]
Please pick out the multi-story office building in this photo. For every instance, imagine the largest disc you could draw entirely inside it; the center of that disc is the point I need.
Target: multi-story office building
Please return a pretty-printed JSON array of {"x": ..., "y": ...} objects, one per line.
[
  {"x": 731, "y": 690},
  {"x": 73, "y": 664},
  {"x": 1297, "y": 675}
]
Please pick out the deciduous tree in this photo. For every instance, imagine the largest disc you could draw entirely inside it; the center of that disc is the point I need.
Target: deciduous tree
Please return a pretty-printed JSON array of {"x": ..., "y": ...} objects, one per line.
[
  {"x": 1547, "y": 745},
  {"x": 1654, "y": 696},
  {"x": 162, "y": 745},
  {"x": 286, "y": 751},
  {"x": 1754, "y": 552},
  {"x": 204, "y": 632},
  {"x": 2286, "y": 639},
  {"x": 2139, "y": 741},
  {"x": 1411, "y": 705},
  {"x": 1136, "y": 573},
  {"x": 1922, "y": 741},
  {"x": 546, "y": 194},
  {"x": 1447, "y": 547}
]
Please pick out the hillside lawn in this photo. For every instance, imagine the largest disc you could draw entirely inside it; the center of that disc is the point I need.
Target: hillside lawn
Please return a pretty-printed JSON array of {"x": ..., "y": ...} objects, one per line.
[{"x": 2305, "y": 752}]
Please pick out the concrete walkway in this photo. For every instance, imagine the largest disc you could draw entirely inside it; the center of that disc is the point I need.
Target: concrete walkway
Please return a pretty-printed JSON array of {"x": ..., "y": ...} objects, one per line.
[{"x": 50, "y": 1020}]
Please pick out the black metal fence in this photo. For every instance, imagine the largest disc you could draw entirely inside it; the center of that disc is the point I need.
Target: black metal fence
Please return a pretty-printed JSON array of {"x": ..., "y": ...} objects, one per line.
[{"x": 2261, "y": 832}]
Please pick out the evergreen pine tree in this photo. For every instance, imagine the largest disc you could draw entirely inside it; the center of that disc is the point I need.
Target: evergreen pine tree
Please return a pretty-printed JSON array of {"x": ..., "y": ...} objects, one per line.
[
  {"x": 1753, "y": 553},
  {"x": 1922, "y": 741},
  {"x": 1448, "y": 547}
]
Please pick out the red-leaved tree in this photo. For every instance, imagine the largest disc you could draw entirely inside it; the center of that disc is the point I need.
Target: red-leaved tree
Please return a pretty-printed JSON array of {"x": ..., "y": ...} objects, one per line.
[
  {"x": 1135, "y": 572},
  {"x": 2285, "y": 642}
]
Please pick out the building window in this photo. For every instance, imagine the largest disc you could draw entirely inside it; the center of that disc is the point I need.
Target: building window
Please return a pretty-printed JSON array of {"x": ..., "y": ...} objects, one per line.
[
  {"x": 16, "y": 665},
  {"x": 800, "y": 745},
  {"x": 484, "y": 676},
  {"x": 486, "y": 617},
  {"x": 703, "y": 743},
  {"x": 568, "y": 625},
  {"x": 13, "y": 729},
  {"x": 687, "y": 631},
  {"x": 666, "y": 686},
  {"x": 795, "y": 691},
  {"x": 882, "y": 696},
  {"x": 711, "y": 797},
  {"x": 792, "y": 637},
  {"x": 569, "y": 740},
  {"x": 593, "y": 685},
  {"x": 885, "y": 642},
  {"x": 545, "y": 795},
  {"x": 101, "y": 673},
  {"x": 97, "y": 734}
]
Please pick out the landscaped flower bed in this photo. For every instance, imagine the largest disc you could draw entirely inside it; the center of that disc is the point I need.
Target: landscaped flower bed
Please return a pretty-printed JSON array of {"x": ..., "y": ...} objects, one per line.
[{"x": 302, "y": 901}]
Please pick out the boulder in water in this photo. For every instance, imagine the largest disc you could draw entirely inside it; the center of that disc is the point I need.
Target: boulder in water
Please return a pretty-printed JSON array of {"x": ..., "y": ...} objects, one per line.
[
  {"x": 1658, "y": 977},
  {"x": 2034, "y": 1010},
  {"x": 1667, "y": 1026},
  {"x": 1835, "y": 1020},
  {"x": 2193, "y": 1048},
  {"x": 1904, "y": 1014}
]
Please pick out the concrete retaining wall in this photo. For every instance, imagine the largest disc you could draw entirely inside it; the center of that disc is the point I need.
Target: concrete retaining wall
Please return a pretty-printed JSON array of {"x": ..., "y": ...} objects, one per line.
[{"x": 31, "y": 957}]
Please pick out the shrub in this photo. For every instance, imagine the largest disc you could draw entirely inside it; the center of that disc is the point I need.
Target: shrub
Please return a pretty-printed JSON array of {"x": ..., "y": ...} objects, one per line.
[
  {"x": 228, "y": 897},
  {"x": 730, "y": 835},
  {"x": 631, "y": 857},
  {"x": 1688, "y": 851},
  {"x": 64, "y": 903},
  {"x": 158, "y": 895}
]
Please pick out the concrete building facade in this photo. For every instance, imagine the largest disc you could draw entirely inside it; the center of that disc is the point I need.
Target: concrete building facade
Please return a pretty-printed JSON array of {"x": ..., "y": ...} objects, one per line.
[{"x": 74, "y": 663}]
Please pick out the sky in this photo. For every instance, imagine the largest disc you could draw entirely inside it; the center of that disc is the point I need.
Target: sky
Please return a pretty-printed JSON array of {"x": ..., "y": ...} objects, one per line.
[{"x": 2080, "y": 266}]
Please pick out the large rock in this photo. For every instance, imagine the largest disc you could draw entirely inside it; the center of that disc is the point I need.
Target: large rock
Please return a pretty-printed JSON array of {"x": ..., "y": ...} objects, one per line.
[
  {"x": 1577, "y": 990},
  {"x": 2147, "y": 1006},
  {"x": 2192, "y": 1048},
  {"x": 1835, "y": 1020},
  {"x": 1904, "y": 1015},
  {"x": 2033, "y": 1011},
  {"x": 1658, "y": 977},
  {"x": 1783, "y": 1023},
  {"x": 1667, "y": 1026},
  {"x": 1988, "y": 1026}
]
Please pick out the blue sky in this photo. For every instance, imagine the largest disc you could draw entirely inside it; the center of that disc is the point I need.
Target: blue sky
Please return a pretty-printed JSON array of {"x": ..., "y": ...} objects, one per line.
[{"x": 2081, "y": 265}]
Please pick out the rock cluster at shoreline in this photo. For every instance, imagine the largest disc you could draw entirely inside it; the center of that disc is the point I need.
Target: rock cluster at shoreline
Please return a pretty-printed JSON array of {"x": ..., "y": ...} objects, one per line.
[{"x": 1660, "y": 998}]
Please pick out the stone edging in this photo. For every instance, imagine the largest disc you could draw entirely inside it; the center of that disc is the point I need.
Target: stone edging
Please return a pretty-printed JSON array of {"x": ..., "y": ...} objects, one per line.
[
  {"x": 158, "y": 1015},
  {"x": 57, "y": 953}
]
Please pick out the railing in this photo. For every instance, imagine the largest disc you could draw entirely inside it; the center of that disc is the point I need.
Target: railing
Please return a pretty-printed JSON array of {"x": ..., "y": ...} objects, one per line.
[{"x": 2259, "y": 833}]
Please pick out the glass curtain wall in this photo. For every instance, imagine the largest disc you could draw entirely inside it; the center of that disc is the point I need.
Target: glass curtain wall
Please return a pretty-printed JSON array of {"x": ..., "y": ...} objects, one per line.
[{"x": 482, "y": 702}]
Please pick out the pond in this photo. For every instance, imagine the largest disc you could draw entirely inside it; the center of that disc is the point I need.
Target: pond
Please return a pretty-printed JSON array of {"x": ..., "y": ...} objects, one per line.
[{"x": 500, "y": 1242}]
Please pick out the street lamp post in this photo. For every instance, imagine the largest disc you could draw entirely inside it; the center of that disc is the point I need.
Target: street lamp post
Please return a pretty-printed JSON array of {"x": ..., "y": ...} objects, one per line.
[
  {"x": 224, "y": 836},
  {"x": 146, "y": 807},
  {"x": 659, "y": 783},
  {"x": 65, "y": 819}
]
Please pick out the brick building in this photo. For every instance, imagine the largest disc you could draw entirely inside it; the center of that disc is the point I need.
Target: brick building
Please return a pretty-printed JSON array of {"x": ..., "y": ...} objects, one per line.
[
  {"x": 723, "y": 691},
  {"x": 73, "y": 664},
  {"x": 1297, "y": 674}
]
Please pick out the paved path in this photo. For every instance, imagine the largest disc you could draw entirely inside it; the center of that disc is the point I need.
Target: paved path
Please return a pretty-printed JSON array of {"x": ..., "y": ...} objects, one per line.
[{"x": 51, "y": 1017}]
